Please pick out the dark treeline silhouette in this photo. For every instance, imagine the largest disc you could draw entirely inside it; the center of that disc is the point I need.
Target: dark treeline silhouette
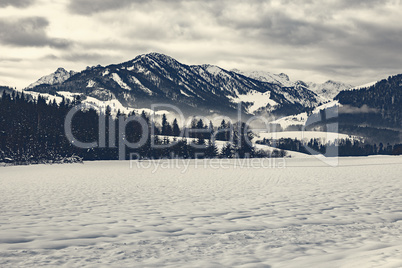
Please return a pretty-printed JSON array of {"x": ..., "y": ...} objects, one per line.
[
  {"x": 32, "y": 131},
  {"x": 346, "y": 147},
  {"x": 384, "y": 100}
]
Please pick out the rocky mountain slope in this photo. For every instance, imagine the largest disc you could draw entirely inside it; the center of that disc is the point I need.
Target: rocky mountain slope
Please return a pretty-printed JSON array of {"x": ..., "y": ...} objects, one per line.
[
  {"x": 326, "y": 91},
  {"x": 196, "y": 89},
  {"x": 58, "y": 77}
]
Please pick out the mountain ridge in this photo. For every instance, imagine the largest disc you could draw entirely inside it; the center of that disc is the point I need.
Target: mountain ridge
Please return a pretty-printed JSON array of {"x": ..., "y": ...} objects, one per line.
[
  {"x": 58, "y": 77},
  {"x": 154, "y": 77}
]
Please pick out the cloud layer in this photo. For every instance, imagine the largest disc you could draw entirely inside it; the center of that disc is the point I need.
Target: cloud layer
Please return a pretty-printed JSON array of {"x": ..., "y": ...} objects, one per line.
[
  {"x": 16, "y": 3},
  {"x": 28, "y": 32},
  {"x": 354, "y": 42}
]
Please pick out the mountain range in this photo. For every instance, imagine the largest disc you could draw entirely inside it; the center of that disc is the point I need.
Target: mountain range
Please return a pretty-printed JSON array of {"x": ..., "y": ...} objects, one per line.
[
  {"x": 373, "y": 111},
  {"x": 195, "y": 89}
]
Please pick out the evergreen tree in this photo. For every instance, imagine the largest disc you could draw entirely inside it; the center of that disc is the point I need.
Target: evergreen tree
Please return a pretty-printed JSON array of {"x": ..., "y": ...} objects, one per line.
[
  {"x": 212, "y": 150},
  {"x": 176, "y": 128},
  {"x": 227, "y": 151}
]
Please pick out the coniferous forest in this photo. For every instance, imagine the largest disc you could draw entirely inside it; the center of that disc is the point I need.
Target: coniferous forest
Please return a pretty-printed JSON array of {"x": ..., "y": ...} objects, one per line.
[
  {"x": 32, "y": 131},
  {"x": 345, "y": 147},
  {"x": 375, "y": 111}
]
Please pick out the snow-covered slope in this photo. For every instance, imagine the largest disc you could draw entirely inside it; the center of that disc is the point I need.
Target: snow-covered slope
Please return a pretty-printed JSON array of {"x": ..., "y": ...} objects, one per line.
[
  {"x": 326, "y": 91},
  {"x": 279, "y": 79},
  {"x": 91, "y": 102},
  {"x": 58, "y": 77},
  {"x": 198, "y": 89},
  {"x": 366, "y": 85},
  {"x": 301, "y": 119},
  {"x": 329, "y": 89}
]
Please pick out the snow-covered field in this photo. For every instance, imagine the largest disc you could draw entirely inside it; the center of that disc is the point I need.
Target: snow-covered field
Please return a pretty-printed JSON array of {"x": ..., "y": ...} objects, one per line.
[{"x": 287, "y": 213}]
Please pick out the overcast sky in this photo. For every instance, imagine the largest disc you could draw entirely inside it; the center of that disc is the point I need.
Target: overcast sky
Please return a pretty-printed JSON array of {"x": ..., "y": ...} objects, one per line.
[{"x": 355, "y": 41}]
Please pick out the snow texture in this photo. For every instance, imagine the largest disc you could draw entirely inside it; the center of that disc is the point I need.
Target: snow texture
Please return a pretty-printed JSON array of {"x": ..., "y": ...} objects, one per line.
[
  {"x": 326, "y": 91},
  {"x": 301, "y": 119},
  {"x": 279, "y": 79},
  {"x": 91, "y": 83},
  {"x": 92, "y": 102},
  {"x": 258, "y": 100},
  {"x": 120, "y": 82},
  {"x": 297, "y": 213},
  {"x": 58, "y": 77},
  {"x": 329, "y": 89},
  {"x": 366, "y": 85}
]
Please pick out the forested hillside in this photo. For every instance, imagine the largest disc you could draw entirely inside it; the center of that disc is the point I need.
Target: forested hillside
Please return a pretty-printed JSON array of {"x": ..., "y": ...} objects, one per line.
[
  {"x": 32, "y": 131},
  {"x": 384, "y": 99}
]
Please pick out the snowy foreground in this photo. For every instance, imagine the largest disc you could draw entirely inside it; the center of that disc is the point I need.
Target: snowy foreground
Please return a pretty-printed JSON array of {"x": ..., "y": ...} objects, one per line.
[{"x": 292, "y": 213}]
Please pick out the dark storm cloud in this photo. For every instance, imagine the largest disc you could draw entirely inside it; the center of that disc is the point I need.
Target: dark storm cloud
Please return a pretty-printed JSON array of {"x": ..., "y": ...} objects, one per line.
[
  {"x": 335, "y": 37},
  {"x": 88, "y": 58},
  {"x": 10, "y": 59},
  {"x": 16, "y": 3},
  {"x": 87, "y": 7},
  {"x": 353, "y": 34},
  {"x": 280, "y": 28},
  {"x": 361, "y": 3},
  {"x": 29, "y": 32}
]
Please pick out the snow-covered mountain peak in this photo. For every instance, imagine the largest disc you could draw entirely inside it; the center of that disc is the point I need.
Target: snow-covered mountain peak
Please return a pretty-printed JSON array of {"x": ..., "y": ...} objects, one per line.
[
  {"x": 61, "y": 70},
  {"x": 278, "y": 79},
  {"x": 158, "y": 55},
  {"x": 301, "y": 83},
  {"x": 154, "y": 56},
  {"x": 326, "y": 91},
  {"x": 366, "y": 85},
  {"x": 331, "y": 82},
  {"x": 155, "y": 77},
  {"x": 58, "y": 77},
  {"x": 329, "y": 89},
  {"x": 284, "y": 76},
  {"x": 212, "y": 69}
]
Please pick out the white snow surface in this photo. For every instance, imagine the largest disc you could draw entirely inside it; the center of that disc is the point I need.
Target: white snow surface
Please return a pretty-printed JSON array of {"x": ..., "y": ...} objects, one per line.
[
  {"x": 120, "y": 82},
  {"x": 212, "y": 69},
  {"x": 366, "y": 85},
  {"x": 91, "y": 83},
  {"x": 279, "y": 79},
  {"x": 329, "y": 89},
  {"x": 114, "y": 104},
  {"x": 301, "y": 119},
  {"x": 106, "y": 72},
  {"x": 326, "y": 91},
  {"x": 58, "y": 77},
  {"x": 257, "y": 100},
  {"x": 141, "y": 86},
  {"x": 292, "y": 213}
]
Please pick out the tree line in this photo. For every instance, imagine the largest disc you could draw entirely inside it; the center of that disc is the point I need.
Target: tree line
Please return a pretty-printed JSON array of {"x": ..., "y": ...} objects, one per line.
[
  {"x": 346, "y": 147},
  {"x": 32, "y": 131}
]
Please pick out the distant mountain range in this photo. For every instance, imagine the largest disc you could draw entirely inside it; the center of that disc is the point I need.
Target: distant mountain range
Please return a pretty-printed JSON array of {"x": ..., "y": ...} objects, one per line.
[
  {"x": 326, "y": 91},
  {"x": 195, "y": 89},
  {"x": 58, "y": 77},
  {"x": 373, "y": 110}
]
